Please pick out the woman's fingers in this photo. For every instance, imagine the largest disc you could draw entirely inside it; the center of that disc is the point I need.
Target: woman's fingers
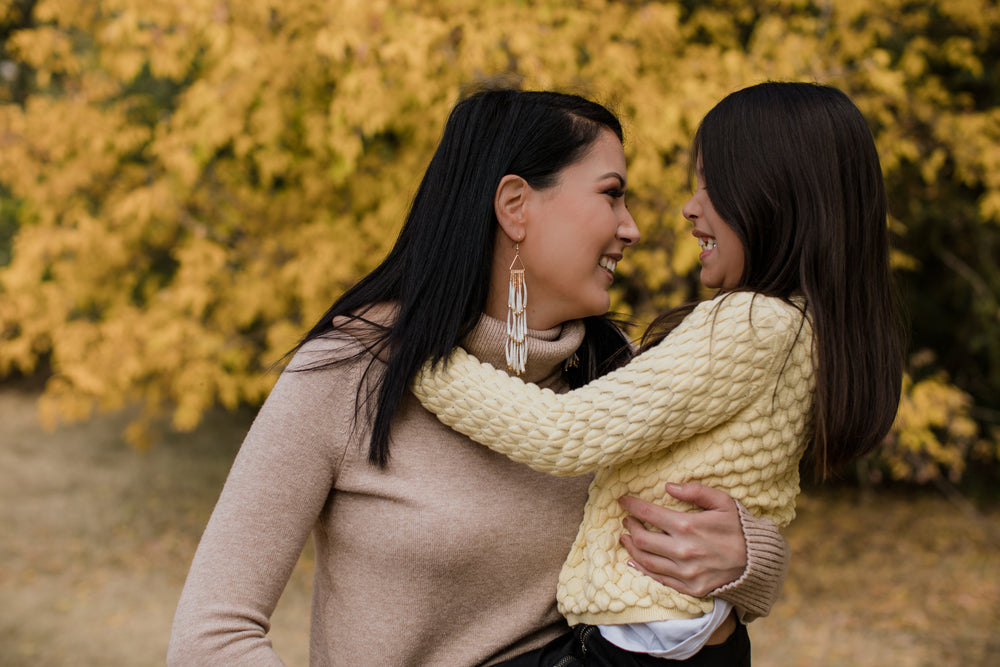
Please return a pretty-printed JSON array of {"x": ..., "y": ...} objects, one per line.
[
  {"x": 654, "y": 566},
  {"x": 693, "y": 552}
]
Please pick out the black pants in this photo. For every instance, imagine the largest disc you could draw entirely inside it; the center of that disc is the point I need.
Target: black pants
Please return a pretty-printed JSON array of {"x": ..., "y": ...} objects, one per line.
[{"x": 584, "y": 646}]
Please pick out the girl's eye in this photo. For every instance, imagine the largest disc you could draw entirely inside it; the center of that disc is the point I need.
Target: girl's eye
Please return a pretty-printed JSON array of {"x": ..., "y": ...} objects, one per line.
[{"x": 615, "y": 193}]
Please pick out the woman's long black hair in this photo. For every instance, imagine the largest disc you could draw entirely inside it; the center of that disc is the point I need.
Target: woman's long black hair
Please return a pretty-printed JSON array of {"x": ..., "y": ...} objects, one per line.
[
  {"x": 437, "y": 274},
  {"x": 793, "y": 169}
]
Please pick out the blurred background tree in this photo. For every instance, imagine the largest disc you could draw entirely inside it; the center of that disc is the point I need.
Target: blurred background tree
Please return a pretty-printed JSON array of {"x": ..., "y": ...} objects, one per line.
[{"x": 185, "y": 187}]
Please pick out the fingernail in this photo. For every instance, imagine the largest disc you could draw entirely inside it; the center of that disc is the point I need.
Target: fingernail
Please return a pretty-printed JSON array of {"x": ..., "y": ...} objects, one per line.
[
  {"x": 631, "y": 564},
  {"x": 671, "y": 486}
]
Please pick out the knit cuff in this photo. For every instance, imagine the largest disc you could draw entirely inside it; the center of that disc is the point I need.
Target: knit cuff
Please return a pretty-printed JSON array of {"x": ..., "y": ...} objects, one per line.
[{"x": 756, "y": 591}]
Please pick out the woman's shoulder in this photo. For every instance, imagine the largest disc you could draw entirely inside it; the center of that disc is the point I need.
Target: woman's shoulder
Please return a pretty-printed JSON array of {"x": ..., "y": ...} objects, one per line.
[
  {"x": 325, "y": 350},
  {"x": 358, "y": 336}
]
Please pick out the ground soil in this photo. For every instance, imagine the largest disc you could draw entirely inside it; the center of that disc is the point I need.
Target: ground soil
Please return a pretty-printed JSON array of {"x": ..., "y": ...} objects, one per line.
[{"x": 97, "y": 539}]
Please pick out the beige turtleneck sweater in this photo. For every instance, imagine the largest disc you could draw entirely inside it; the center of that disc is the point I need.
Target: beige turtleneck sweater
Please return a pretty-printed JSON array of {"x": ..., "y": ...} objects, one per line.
[{"x": 449, "y": 557}]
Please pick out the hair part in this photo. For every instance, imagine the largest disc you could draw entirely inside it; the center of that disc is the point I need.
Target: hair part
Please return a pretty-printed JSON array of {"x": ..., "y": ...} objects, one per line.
[{"x": 437, "y": 274}]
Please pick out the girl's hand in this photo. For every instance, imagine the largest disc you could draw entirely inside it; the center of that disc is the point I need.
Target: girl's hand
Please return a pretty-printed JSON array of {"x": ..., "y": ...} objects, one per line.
[{"x": 697, "y": 552}]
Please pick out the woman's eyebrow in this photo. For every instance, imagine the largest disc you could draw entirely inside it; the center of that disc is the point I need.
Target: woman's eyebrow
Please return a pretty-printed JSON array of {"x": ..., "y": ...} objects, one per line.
[{"x": 615, "y": 174}]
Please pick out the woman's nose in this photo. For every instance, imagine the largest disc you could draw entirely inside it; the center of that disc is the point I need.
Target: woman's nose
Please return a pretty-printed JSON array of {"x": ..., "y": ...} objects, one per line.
[{"x": 628, "y": 231}]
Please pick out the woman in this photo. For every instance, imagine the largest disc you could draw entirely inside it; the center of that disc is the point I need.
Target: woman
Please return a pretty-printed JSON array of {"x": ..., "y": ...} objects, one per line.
[
  {"x": 800, "y": 348},
  {"x": 431, "y": 550}
]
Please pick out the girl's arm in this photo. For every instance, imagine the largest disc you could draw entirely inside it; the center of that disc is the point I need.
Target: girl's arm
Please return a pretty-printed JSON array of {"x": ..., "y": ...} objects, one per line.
[
  {"x": 277, "y": 487},
  {"x": 708, "y": 369}
]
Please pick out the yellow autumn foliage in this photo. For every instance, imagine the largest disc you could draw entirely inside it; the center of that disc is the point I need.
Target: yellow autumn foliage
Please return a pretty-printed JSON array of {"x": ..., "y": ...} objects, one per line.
[
  {"x": 933, "y": 431},
  {"x": 188, "y": 185}
]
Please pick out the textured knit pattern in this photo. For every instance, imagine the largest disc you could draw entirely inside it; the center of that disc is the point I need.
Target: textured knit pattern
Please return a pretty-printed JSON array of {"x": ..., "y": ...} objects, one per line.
[{"x": 724, "y": 400}]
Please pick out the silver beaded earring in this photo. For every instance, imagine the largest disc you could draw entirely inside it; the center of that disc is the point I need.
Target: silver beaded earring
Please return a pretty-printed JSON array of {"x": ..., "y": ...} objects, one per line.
[{"x": 517, "y": 327}]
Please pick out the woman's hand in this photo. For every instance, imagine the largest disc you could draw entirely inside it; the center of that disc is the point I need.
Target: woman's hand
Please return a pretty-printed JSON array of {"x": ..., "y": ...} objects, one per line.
[{"x": 697, "y": 552}]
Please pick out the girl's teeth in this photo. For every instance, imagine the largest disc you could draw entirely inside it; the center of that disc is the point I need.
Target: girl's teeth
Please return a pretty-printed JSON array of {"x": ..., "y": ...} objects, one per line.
[
  {"x": 707, "y": 244},
  {"x": 608, "y": 263}
]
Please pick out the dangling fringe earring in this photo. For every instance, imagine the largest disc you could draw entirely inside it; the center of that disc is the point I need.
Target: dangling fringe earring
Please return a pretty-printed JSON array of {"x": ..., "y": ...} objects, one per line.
[{"x": 517, "y": 327}]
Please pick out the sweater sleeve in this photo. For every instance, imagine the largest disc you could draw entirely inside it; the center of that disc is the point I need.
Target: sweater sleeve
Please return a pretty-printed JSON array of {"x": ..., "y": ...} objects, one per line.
[
  {"x": 704, "y": 373},
  {"x": 756, "y": 591},
  {"x": 277, "y": 487}
]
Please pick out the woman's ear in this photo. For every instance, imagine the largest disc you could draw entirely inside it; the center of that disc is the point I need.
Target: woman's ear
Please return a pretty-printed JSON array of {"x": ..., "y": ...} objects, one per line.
[{"x": 509, "y": 205}]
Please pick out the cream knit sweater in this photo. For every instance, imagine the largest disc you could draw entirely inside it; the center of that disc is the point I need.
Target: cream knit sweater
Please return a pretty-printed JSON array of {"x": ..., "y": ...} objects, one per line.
[{"x": 725, "y": 400}]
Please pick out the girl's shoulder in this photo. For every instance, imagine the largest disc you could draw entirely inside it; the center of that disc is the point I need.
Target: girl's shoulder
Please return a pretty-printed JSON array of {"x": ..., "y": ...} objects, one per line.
[
  {"x": 755, "y": 307},
  {"x": 749, "y": 316}
]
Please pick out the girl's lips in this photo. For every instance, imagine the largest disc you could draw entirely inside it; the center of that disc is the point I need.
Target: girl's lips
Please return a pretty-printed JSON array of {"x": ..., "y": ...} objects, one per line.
[{"x": 707, "y": 244}]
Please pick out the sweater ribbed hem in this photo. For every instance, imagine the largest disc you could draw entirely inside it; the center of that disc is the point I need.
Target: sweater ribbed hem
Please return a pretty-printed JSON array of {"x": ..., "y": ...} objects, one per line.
[
  {"x": 756, "y": 591},
  {"x": 635, "y": 615}
]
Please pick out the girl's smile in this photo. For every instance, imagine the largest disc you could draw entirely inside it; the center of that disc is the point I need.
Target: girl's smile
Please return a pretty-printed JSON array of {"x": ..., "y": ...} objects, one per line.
[
  {"x": 707, "y": 245},
  {"x": 722, "y": 258}
]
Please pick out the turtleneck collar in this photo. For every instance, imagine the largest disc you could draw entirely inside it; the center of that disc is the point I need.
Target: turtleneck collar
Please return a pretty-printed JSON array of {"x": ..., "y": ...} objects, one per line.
[{"x": 548, "y": 350}]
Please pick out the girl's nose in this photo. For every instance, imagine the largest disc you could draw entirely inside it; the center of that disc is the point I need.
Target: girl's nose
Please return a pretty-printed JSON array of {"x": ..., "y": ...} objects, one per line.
[{"x": 691, "y": 210}]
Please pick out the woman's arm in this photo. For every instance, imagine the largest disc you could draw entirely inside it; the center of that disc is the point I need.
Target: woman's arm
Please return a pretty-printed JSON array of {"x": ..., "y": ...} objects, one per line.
[
  {"x": 277, "y": 487},
  {"x": 707, "y": 370},
  {"x": 722, "y": 551}
]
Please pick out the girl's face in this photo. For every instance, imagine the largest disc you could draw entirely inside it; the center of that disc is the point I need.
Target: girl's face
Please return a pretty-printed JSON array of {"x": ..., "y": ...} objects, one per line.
[
  {"x": 575, "y": 234},
  {"x": 721, "y": 251}
]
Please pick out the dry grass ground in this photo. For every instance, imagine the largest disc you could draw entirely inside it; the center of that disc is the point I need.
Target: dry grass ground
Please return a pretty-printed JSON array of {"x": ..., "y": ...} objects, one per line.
[{"x": 97, "y": 539}]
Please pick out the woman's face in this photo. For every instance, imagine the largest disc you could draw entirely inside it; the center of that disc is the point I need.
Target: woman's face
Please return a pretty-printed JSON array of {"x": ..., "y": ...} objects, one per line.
[
  {"x": 721, "y": 251},
  {"x": 575, "y": 234}
]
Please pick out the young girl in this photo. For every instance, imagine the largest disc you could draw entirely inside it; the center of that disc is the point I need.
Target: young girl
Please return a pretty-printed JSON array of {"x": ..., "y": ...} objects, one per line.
[
  {"x": 431, "y": 550},
  {"x": 799, "y": 350}
]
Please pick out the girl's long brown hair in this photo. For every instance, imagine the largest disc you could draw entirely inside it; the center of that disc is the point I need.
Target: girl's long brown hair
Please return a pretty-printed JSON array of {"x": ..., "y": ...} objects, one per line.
[{"x": 793, "y": 169}]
